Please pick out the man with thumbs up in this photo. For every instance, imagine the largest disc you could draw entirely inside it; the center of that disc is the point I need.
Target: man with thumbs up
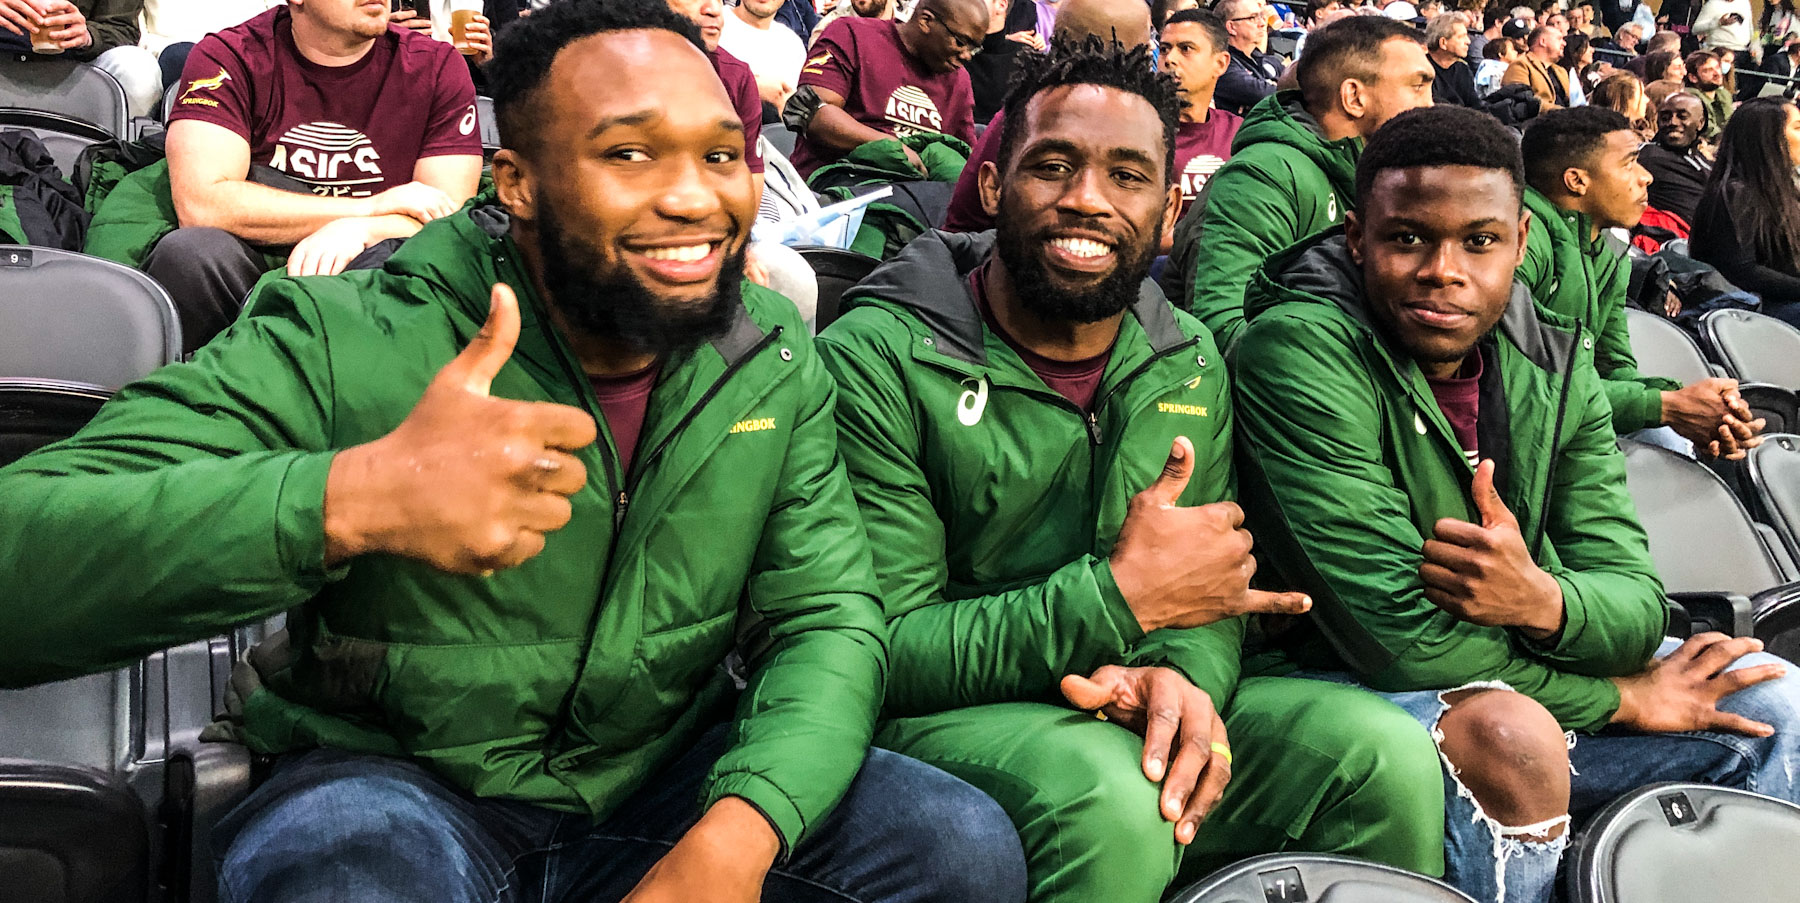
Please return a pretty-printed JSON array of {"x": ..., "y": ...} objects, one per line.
[
  {"x": 1041, "y": 448},
  {"x": 1430, "y": 455},
  {"x": 579, "y": 597}
]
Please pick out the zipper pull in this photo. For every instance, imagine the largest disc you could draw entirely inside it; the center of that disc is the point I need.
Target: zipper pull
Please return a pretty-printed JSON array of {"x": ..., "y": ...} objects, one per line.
[
  {"x": 619, "y": 506},
  {"x": 1093, "y": 427}
]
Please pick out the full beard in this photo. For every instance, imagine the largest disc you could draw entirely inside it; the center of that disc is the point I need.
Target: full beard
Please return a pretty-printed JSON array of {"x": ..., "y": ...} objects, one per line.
[
  {"x": 1040, "y": 292},
  {"x": 608, "y": 302}
]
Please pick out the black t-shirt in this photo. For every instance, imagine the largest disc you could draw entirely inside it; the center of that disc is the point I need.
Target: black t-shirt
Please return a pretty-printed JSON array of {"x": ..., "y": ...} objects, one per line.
[
  {"x": 991, "y": 69},
  {"x": 1680, "y": 177}
]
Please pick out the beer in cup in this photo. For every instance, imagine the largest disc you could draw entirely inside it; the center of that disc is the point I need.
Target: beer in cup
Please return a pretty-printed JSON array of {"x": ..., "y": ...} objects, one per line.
[{"x": 462, "y": 12}]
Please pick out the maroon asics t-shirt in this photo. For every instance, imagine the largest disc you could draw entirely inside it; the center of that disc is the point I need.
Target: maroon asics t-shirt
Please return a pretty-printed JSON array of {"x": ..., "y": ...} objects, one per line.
[
  {"x": 348, "y": 131},
  {"x": 965, "y": 213},
  {"x": 1459, "y": 397},
  {"x": 1200, "y": 149},
  {"x": 624, "y": 400},
  {"x": 883, "y": 87},
  {"x": 1078, "y": 381},
  {"x": 740, "y": 85}
]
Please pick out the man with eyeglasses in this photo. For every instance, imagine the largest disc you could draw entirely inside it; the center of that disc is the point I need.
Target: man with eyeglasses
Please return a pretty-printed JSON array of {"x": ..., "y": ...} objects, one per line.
[
  {"x": 873, "y": 79},
  {"x": 1253, "y": 71}
]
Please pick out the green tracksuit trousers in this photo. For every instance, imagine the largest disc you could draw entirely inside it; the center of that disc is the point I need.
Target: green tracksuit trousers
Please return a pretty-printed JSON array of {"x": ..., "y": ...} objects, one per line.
[{"x": 1317, "y": 768}]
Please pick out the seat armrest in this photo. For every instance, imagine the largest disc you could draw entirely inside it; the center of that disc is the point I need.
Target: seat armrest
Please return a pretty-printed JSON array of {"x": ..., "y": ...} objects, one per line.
[{"x": 1732, "y": 614}]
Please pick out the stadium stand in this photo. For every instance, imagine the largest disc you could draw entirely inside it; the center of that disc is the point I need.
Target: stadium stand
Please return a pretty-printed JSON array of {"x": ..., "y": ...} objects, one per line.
[
  {"x": 1664, "y": 350},
  {"x": 67, "y": 88},
  {"x": 1677, "y": 842},
  {"x": 1763, "y": 353},
  {"x": 1295, "y": 878}
]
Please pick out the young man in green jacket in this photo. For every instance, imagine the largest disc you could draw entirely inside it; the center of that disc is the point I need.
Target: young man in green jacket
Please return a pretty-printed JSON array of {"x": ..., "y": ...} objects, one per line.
[
  {"x": 1293, "y": 163},
  {"x": 1041, "y": 447},
  {"x": 536, "y": 493},
  {"x": 1501, "y": 602},
  {"x": 1582, "y": 178}
]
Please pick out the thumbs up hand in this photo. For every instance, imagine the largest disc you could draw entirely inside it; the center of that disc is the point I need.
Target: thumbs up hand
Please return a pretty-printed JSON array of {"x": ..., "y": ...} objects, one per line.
[
  {"x": 467, "y": 483},
  {"x": 1483, "y": 574},
  {"x": 1187, "y": 567}
]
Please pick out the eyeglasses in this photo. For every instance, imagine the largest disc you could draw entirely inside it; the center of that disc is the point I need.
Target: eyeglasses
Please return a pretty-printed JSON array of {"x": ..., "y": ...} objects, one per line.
[{"x": 1249, "y": 19}]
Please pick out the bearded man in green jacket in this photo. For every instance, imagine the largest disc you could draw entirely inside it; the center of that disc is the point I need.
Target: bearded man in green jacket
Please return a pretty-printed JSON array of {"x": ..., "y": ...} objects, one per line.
[
  {"x": 538, "y": 490},
  {"x": 1582, "y": 178},
  {"x": 1293, "y": 163},
  {"x": 1041, "y": 447},
  {"x": 1430, "y": 455}
]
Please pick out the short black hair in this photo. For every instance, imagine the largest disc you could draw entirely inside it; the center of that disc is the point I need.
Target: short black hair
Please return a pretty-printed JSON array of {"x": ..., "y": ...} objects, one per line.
[
  {"x": 1559, "y": 139},
  {"x": 1444, "y": 135},
  {"x": 1208, "y": 21},
  {"x": 1347, "y": 48},
  {"x": 527, "y": 48},
  {"x": 1091, "y": 61}
]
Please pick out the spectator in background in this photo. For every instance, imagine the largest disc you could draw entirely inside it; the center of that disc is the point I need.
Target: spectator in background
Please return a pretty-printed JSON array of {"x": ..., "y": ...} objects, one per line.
[
  {"x": 1446, "y": 43},
  {"x": 1293, "y": 165},
  {"x": 1661, "y": 42},
  {"x": 1726, "y": 24},
  {"x": 1677, "y": 160},
  {"x": 1664, "y": 65},
  {"x": 1492, "y": 21},
  {"x": 374, "y": 125},
  {"x": 1747, "y": 224},
  {"x": 1622, "y": 93},
  {"x": 739, "y": 81},
  {"x": 1706, "y": 80},
  {"x": 102, "y": 32},
  {"x": 1626, "y": 40},
  {"x": 1780, "y": 28},
  {"x": 1497, "y": 58},
  {"x": 1786, "y": 61},
  {"x": 1581, "y": 22},
  {"x": 1076, "y": 21},
  {"x": 1253, "y": 70},
  {"x": 1193, "y": 50},
  {"x": 875, "y": 79},
  {"x": 1577, "y": 55},
  {"x": 477, "y": 47},
  {"x": 865, "y": 9},
  {"x": 1540, "y": 67},
  {"x": 1012, "y": 27},
  {"x": 799, "y": 17},
  {"x": 1584, "y": 178},
  {"x": 172, "y": 27},
  {"x": 771, "y": 50},
  {"x": 1161, "y": 10}
]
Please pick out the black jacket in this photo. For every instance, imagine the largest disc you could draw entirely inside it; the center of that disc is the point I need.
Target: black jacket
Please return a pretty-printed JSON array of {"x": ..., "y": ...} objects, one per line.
[
  {"x": 1680, "y": 177},
  {"x": 1719, "y": 241},
  {"x": 1455, "y": 84},
  {"x": 1250, "y": 78}
]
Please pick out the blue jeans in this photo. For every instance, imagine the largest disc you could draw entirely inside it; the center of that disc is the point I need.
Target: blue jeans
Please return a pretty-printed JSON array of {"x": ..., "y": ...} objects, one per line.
[
  {"x": 330, "y": 826},
  {"x": 1492, "y": 862}
]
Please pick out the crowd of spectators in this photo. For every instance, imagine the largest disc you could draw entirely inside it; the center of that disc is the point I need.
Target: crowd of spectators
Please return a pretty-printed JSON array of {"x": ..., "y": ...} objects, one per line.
[{"x": 599, "y": 569}]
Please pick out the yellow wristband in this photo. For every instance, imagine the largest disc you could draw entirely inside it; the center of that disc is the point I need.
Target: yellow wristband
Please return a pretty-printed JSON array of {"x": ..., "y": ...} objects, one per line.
[{"x": 1222, "y": 750}]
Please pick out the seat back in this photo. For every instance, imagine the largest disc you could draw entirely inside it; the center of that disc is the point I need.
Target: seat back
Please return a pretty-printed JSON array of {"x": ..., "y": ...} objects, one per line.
[
  {"x": 1316, "y": 878},
  {"x": 71, "y": 317},
  {"x": 837, "y": 270},
  {"x": 1701, "y": 538},
  {"x": 1675, "y": 843},
  {"x": 64, "y": 137},
  {"x": 70, "y": 835},
  {"x": 1774, "y": 468},
  {"x": 488, "y": 125},
  {"x": 1663, "y": 349},
  {"x": 35, "y": 413},
  {"x": 67, "y": 88},
  {"x": 1754, "y": 347}
]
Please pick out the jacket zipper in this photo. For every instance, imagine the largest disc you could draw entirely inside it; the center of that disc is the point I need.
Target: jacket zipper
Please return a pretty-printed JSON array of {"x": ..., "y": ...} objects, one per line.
[
  {"x": 639, "y": 464},
  {"x": 607, "y": 456},
  {"x": 1093, "y": 416},
  {"x": 1562, "y": 407}
]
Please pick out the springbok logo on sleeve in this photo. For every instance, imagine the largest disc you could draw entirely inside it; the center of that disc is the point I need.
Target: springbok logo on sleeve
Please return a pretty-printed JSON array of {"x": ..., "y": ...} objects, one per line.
[
  {"x": 973, "y": 401},
  {"x": 205, "y": 84},
  {"x": 912, "y": 112}
]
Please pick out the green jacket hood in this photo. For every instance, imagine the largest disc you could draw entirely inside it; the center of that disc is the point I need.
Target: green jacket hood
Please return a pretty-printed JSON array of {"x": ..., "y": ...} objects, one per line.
[
  {"x": 1320, "y": 271},
  {"x": 1282, "y": 119},
  {"x": 930, "y": 279}
]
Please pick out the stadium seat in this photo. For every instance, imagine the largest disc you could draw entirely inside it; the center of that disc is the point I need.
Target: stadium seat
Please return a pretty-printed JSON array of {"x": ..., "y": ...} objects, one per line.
[
  {"x": 1676, "y": 843},
  {"x": 783, "y": 139},
  {"x": 1663, "y": 349},
  {"x": 66, "y": 88},
  {"x": 1763, "y": 354},
  {"x": 168, "y": 103},
  {"x": 63, "y": 136},
  {"x": 837, "y": 270},
  {"x": 1316, "y": 878},
  {"x": 70, "y": 317},
  {"x": 70, "y": 835},
  {"x": 1713, "y": 560},
  {"x": 1774, "y": 469},
  {"x": 37, "y": 412},
  {"x": 489, "y": 126}
]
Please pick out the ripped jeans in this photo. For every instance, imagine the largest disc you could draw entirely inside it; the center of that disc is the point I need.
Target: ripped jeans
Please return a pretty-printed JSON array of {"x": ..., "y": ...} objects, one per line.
[{"x": 1490, "y": 861}]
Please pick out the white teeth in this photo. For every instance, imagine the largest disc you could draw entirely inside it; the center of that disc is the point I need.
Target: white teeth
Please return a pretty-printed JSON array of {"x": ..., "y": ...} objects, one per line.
[
  {"x": 688, "y": 254},
  {"x": 1082, "y": 247}
]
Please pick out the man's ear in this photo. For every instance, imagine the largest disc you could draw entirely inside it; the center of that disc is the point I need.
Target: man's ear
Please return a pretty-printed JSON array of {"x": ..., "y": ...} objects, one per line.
[
  {"x": 1353, "y": 236},
  {"x": 514, "y": 185},
  {"x": 1171, "y": 214},
  {"x": 987, "y": 182},
  {"x": 1353, "y": 97},
  {"x": 1221, "y": 62},
  {"x": 1575, "y": 181},
  {"x": 1524, "y": 235}
]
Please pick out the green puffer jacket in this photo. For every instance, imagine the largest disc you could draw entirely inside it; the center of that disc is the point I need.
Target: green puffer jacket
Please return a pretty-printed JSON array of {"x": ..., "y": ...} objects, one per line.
[
  {"x": 1348, "y": 463},
  {"x": 970, "y": 472},
  {"x": 132, "y": 216},
  {"x": 1585, "y": 280},
  {"x": 195, "y": 500},
  {"x": 1284, "y": 182}
]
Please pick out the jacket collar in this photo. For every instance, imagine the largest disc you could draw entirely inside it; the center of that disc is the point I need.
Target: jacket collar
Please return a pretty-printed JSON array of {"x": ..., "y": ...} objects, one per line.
[{"x": 929, "y": 277}]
